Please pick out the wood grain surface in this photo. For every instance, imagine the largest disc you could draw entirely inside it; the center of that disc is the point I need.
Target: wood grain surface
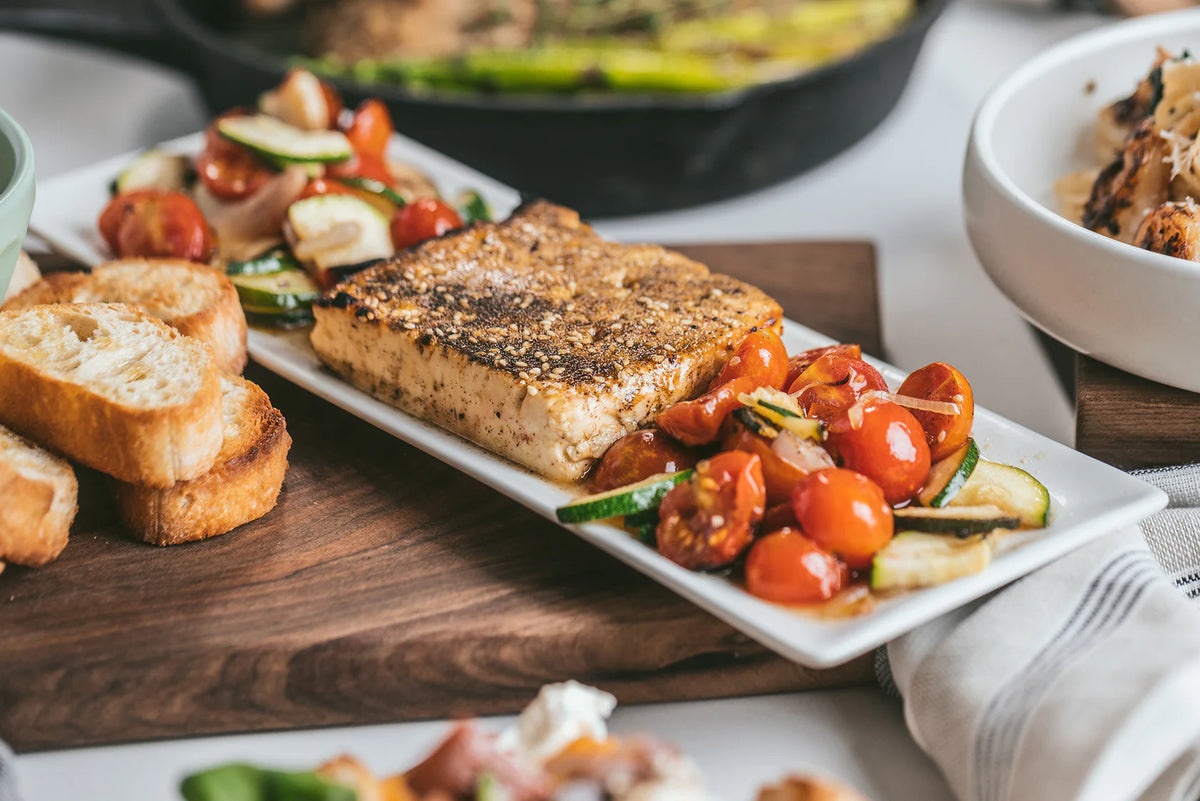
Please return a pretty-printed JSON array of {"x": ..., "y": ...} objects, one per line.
[
  {"x": 1132, "y": 422},
  {"x": 386, "y": 586}
]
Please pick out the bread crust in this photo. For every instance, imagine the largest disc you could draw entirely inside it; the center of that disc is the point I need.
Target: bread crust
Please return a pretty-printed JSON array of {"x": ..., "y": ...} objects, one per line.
[
  {"x": 242, "y": 486},
  {"x": 33, "y": 527},
  {"x": 157, "y": 446},
  {"x": 221, "y": 323}
]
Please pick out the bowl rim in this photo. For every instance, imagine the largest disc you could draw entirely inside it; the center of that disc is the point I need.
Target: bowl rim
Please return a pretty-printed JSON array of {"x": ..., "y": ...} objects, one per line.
[
  {"x": 23, "y": 170},
  {"x": 1089, "y": 42}
]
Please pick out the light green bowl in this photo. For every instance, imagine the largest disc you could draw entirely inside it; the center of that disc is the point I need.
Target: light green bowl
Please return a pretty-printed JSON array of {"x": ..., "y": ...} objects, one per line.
[{"x": 16, "y": 194}]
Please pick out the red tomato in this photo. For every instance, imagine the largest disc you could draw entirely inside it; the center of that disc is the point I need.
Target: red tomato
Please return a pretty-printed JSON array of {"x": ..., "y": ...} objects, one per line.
[
  {"x": 832, "y": 383},
  {"x": 371, "y": 129},
  {"x": 788, "y": 568},
  {"x": 885, "y": 443},
  {"x": 781, "y": 515},
  {"x": 945, "y": 433},
  {"x": 761, "y": 356},
  {"x": 640, "y": 455},
  {"x": 360, "y": 166},
  {"x": 707, "y": 521},
  {"x": 782, "y": 469},
  {"x": 800, "y": 362},
  {"x": 845, "y": 513},
  {"x": 698, "y": 422},
  {"x": 228, "y": 170},
  {"x": 423, "y": 219},
  {"x": 324, "y": 186},
  {"x": 333, "y": 102},
  {"x": 152, "y": 224}
]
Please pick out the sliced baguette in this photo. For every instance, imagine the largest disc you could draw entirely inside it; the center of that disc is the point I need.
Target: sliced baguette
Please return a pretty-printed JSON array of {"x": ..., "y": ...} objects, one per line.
[
  {"x": 194, "y": 299},
  {"x": 38, "y": 501},
  {"x": 112, "y": 387},
  {"x": 242, "y": 486},
  {"x": 24, "y": 275}
]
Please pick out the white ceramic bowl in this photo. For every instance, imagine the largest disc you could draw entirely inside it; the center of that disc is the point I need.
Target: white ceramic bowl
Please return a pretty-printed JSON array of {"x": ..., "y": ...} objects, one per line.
[{"x": 1131, "y": 308}]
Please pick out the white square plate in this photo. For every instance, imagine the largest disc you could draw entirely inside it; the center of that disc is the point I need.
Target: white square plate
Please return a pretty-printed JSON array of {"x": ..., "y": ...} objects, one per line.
[{"x": 1090, "y": 498}]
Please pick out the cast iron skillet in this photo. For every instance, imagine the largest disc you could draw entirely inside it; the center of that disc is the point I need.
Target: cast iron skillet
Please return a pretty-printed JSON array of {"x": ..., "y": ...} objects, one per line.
[{"x": 608, "y": 155}]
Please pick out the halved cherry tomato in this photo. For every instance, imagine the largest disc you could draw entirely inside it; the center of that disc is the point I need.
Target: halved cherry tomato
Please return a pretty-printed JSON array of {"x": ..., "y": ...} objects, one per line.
[
  {"x": 698, "y": 422},
  {"x": 788, "y": 568},
  {"x": 707, "y": 521},
  {"x": 333, "y": 102},
  {"x": 423, "y": 219},
  {"x": 832, "y": 383},
  {"x": 761, "y": 356},
  {"x": 370, "y": 129},
  {"x": 782, "y": 471},
  {"x": 845, "y": 513},
  {"x": 325, "y": 186},
  {"x": 228, "y": 170},
  {"x": 154, "y": 224},
  {"x": 800, "y": 362},
  {"x": 945, "y": 433},
  {"x": 885, "y": 443},
  {"x": 640, "y": 455}
]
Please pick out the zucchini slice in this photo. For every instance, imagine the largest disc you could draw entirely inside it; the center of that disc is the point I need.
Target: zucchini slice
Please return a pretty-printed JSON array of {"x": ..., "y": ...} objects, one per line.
[
  {"x": 757, "y": 423},
  {"x": 914, "y": 559},
  {"x": 472, "y": 207},
  {"x": 645, "y": 526},
  {"x": 272, "y": 261},
  {"x": 285, "y": 144},
  {"x": 961, "y": 521},
  {"x": 275, "y": 318},
  {"x": 375, "y": 188},
  {"x": 315, "y": 216},
  {"x": 947, "y": 477},
  {"x": 1010, "y": 488},
  {"x": 283, "y": 290},
  {"x": 781, "y": 409},
  {"x": 154, "y": 169},
  {"x": 629, "y": 500}
]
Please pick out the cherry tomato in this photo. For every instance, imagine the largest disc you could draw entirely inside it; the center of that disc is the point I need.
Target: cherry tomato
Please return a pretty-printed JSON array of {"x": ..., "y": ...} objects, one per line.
[
  {"x": 640, "y": 455},
  {"x": 761, "y": 356},
  {"x": 333, "y": 102},
  {"x": 781, "y": 472},
  {"x": 371, "y": 129},
  {"x": 832, "y": 383},
  {"x": 788, "y": 568},
  {"x": 709, "y": 520},
  {"x": 885, "y": 443},
  {"x": 698, "y": 422},
  {"x": 325, "y": 186},
  {"x": 423, "y": 219},
  {"x": 845, "y": 513},
  {"x": 800, "y": 362},
  {"x": 153, "y": 224},
  {"x": 781, "y": 515},
  {"x": 945, "y": 433},
  {"x": 228, "y": 170}
]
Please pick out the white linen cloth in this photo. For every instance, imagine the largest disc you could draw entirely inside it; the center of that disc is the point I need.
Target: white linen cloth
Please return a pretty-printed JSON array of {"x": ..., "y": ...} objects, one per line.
[{"x": 1080, "y": 682}]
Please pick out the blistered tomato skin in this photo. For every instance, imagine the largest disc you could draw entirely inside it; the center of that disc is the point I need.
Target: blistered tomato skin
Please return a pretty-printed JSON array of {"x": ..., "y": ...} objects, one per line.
[
  {"x": 788, "y": 568},
  {"x": 761, "y": 357},
  {"x": 152, "y": 224},
  {"x": 780, "y": 474},
  {"x": 423, "y": 219},
  {"x": 699, "y": 421},
  {"x": 799, "y": 363},
  {"x": 707, "y": 521},
  {"x": 884, "y": 442},
  {"x": 845, "y": 513},
  {"x": 832, "y": 383},
  {"x": 638, "y": 456},
  {"x": 945, "y": 433}
]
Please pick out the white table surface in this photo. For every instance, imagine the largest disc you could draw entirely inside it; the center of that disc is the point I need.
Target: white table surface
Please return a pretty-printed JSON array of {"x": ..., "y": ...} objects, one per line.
[{"x": 899, "y": 188}]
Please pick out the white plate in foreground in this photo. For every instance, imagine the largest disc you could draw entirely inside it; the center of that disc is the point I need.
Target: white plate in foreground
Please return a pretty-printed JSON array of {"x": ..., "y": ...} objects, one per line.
[{"x": 1090, "y": 498}]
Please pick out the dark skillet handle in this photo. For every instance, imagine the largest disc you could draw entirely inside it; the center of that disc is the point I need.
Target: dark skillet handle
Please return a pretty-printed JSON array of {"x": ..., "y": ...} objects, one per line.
[{"x": 143, "y": 33}]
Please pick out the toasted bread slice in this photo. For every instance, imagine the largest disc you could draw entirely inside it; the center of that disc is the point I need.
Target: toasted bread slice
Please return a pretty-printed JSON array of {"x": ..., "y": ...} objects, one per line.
[
  {"x": 25, "y": 275},
  {"x": 112, "y": 387},
  {"x": 194, "y": 299},
  {"x": 242, "y": 486},
  {"x": 38, "y": 501},
  {"x": 535, "y": 337}
]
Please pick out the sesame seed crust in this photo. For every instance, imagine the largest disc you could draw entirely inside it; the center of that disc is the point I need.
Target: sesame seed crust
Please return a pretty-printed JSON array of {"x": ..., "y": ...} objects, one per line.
[{"x": 543, "y": 298}]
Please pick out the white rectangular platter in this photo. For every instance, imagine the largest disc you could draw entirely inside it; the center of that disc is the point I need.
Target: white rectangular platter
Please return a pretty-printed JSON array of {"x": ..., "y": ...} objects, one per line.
[{"x": 1090, "y": 499}]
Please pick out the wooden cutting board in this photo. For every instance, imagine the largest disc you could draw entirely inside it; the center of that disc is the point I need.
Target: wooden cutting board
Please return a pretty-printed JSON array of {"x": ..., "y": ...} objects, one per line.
[
  {"x": 386, "y": 586},
  {"x": 1132, "y": 422}
]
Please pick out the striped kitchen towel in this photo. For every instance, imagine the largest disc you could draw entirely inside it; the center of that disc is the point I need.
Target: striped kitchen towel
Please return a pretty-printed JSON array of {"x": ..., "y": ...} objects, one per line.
[{"x": 1080, "y": 682}]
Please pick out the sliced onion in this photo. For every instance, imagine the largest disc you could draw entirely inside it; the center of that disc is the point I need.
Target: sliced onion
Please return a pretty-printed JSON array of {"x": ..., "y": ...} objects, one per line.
[
  {"x": 338, "y": 235},
  {"x": 803, "y": 453},
  {"x": 260, "y": 215},
  {"x": 937, "y": 407}
]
